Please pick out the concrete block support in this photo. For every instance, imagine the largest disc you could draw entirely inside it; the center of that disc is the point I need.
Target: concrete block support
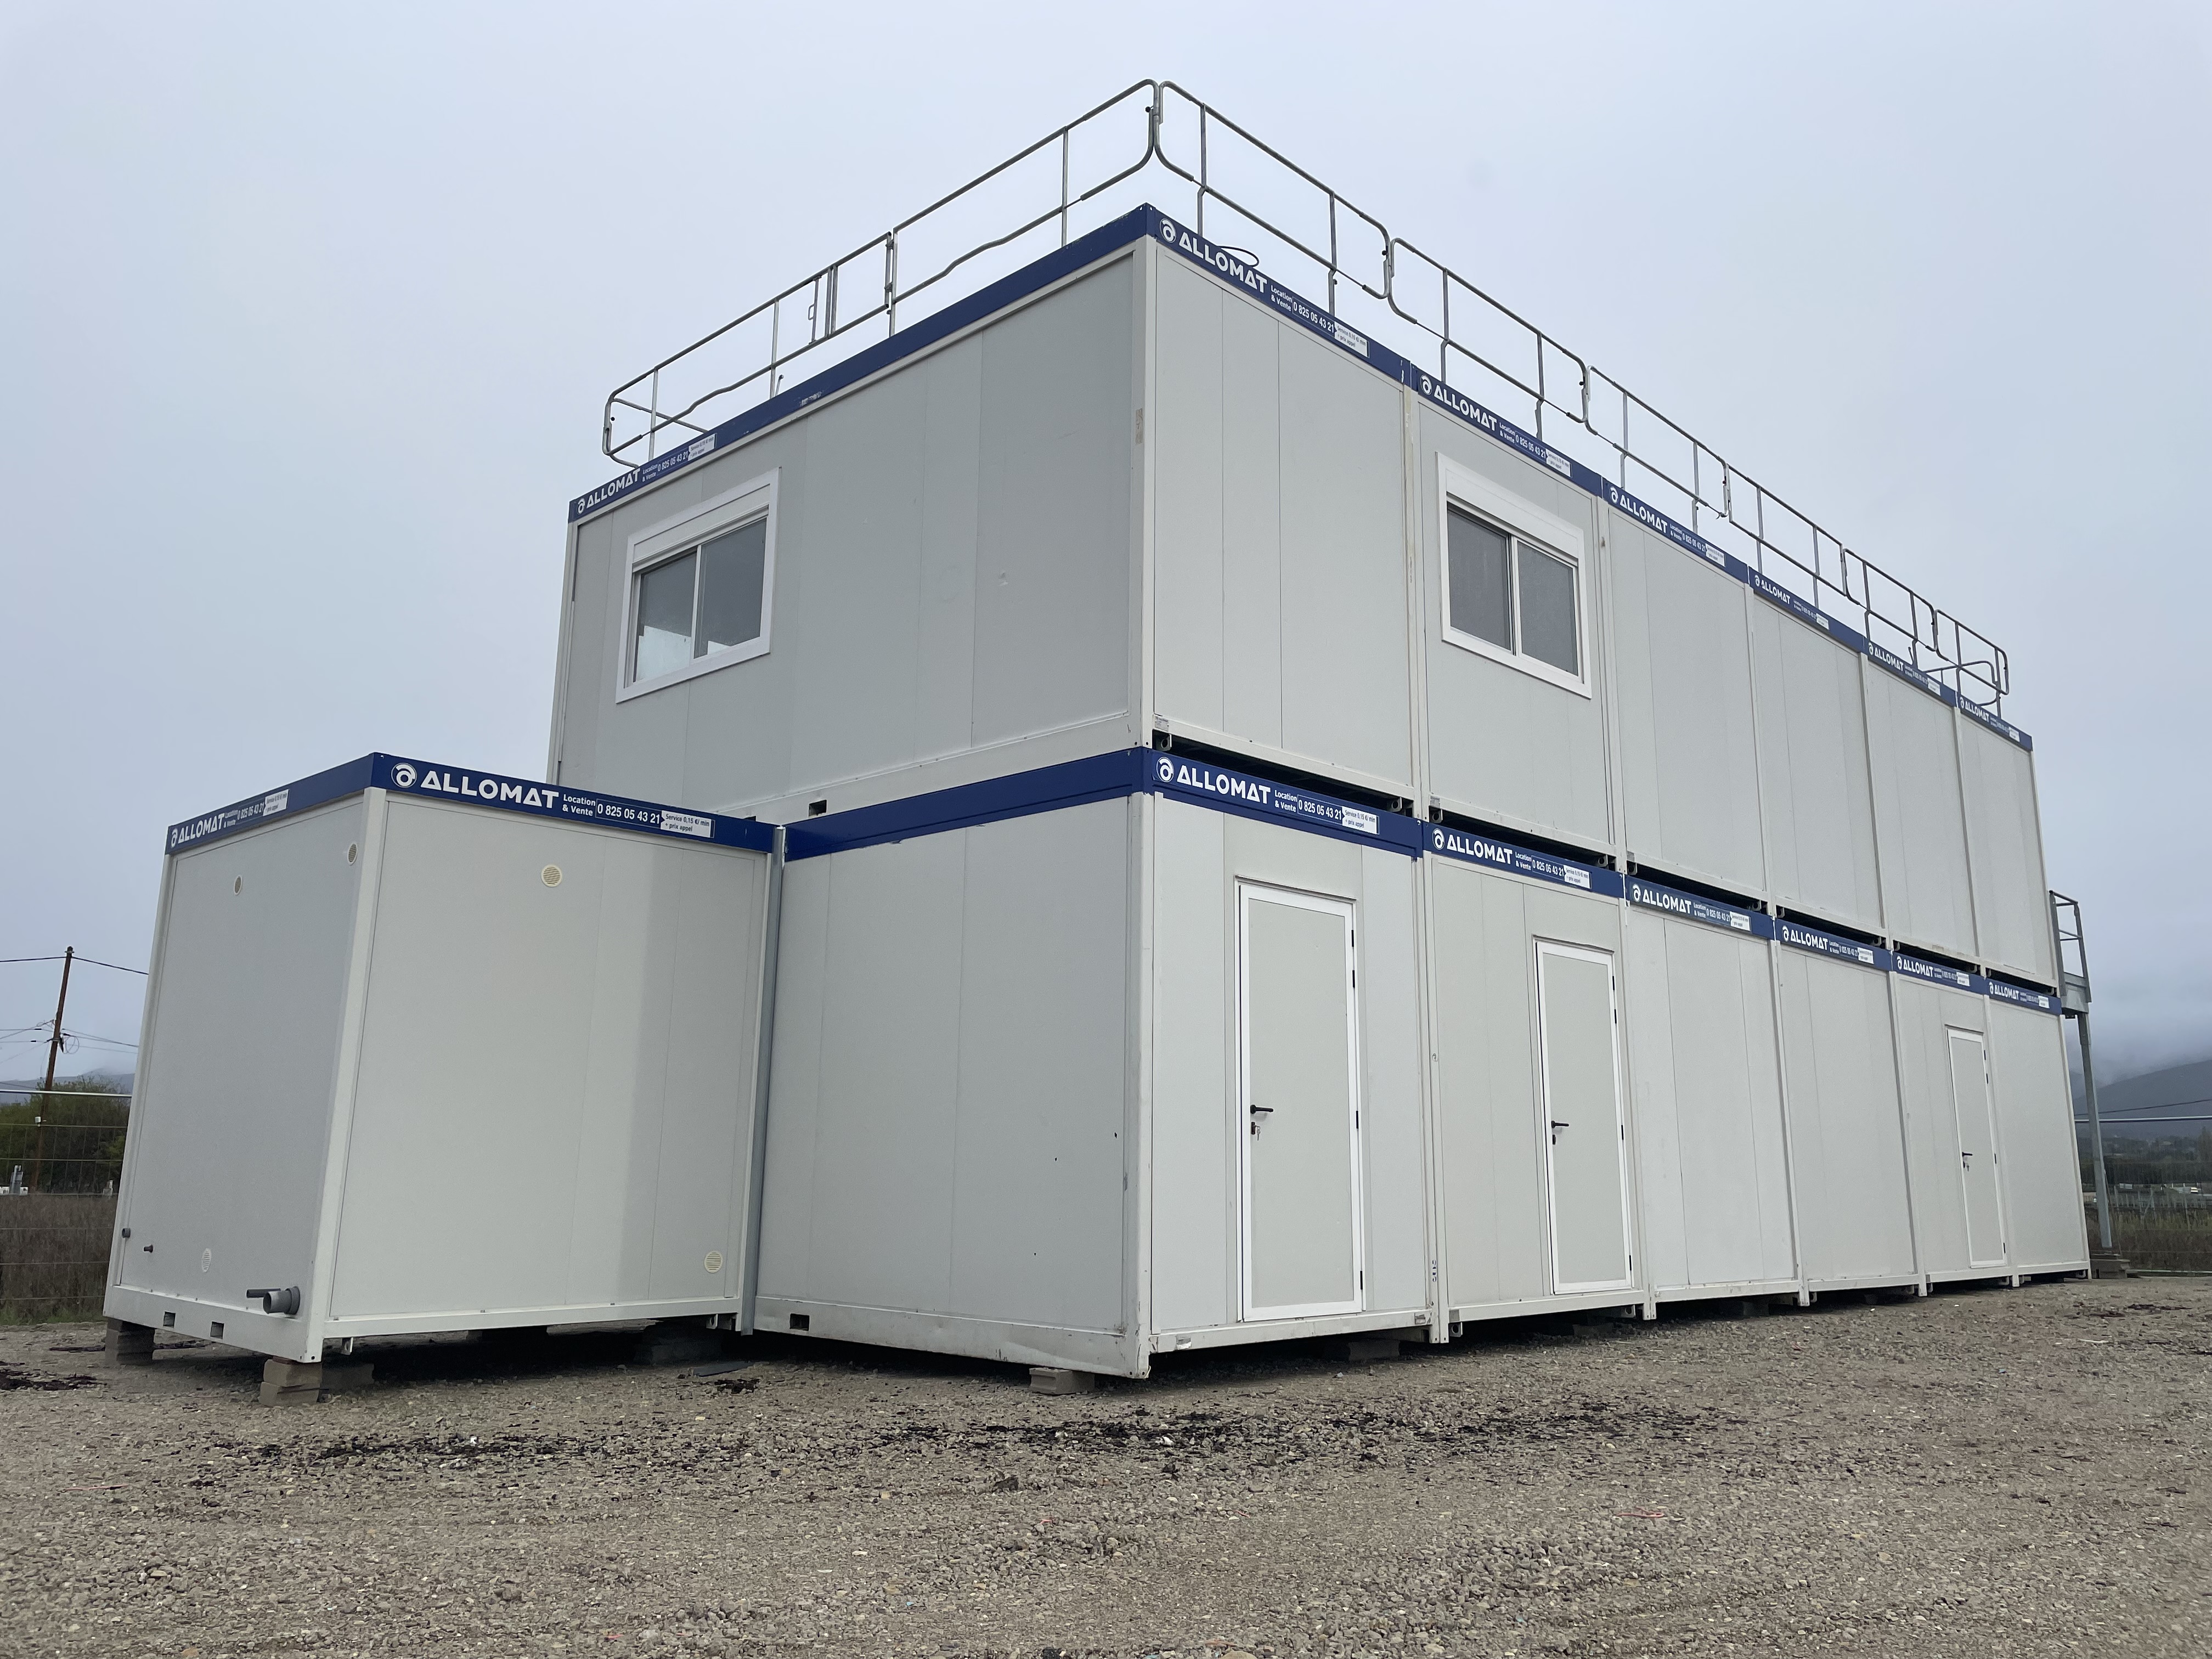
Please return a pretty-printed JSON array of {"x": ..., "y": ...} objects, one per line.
[
  {"x": 1058, "y": 1379},
  {"x": 290, "y": 1382},
  {"x": 679, "y": 1344},
  {"x": 129, "y": 1344},
  {"x": 1359, "y": 1350},
  {"x": 348, "y": 1376}
]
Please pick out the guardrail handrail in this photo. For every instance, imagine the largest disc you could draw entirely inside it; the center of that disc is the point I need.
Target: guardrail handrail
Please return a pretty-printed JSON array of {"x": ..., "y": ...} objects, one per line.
[{"x": 1720, "y": 497}]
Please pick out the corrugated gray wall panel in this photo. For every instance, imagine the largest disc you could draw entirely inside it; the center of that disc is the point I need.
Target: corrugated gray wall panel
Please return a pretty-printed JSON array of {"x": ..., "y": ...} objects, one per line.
[
  {"x": 2011, "y": 901},
  {"x": 1505, "y": 746},
  {"x": 260, "y": 972},
  {"x": 855, "y": 640},
  {"x": 1707, "y": 1111},
  {"x": 1392, "y": 1120},
  {"x": 606, "y": 1088},
  {"x": 1846, "y": 1131},
  {"x": 1278, "y": 535},
  {"x": 1490, "y": 1144},
  {"x": 2039, "y": 1157},
  {"x": 1817, "y": 795},
  {"x": 944, "y": 693},
  {"x": 1924, "y": 1012},
  {"x": 1489, "y": 1151},
  {"x": 953, "y": 569},
  {"x": 946, "y": 1115},
  {"x": 791, "y": 1168},
  {"x": 1039, "y": 1158},
  {"x": 1186, "y": 438},
  {"x": 1346, "y": 674},
  {"x": 581, "y": 694},
  {"x": 1253, "y": 500},
  {"x": 879, "y": 1207},
  {"x": 1920, "y": 824},
  {"x": 1689, "y": 753},
  {"x": 712, "y": 914},
  {"x": 1053, "y": 527},
  {"x": 1193, "y": 1153}
]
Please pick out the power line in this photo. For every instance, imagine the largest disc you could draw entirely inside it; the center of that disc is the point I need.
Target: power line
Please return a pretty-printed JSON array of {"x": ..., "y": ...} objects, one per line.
[
  {"x": 2164, "y": 1105},
  {"x": 94, "y": 960}
]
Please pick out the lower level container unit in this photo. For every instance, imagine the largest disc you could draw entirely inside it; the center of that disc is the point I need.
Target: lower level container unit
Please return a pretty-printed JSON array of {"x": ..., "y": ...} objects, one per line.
[
  {"x": 428, "y": 1049},
  {"x": 1115, "y": 1057},
  {"x": 1123, "y": 1056}
]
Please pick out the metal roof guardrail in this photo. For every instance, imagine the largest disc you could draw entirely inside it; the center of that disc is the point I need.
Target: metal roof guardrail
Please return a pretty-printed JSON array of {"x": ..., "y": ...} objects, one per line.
[{"x": 1156, "y": 131}]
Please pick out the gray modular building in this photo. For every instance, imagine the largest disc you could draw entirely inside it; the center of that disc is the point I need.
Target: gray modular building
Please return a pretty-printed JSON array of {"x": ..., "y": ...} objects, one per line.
[
  {"x": 1270, "y": 846},
  {"x": 1667, "y": 871}
]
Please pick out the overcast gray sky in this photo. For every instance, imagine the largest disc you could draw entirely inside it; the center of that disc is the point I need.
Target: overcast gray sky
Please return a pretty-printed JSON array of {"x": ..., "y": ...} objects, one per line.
[{"x": 305, "y": 316}]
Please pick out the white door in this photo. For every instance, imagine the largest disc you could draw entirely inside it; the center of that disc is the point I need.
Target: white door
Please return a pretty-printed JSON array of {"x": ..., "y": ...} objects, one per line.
[
  {"x": 1977, "y": 1147},
  {"x": 1298, "y": 1103},
  {"x": 1577, "y": 1030}
]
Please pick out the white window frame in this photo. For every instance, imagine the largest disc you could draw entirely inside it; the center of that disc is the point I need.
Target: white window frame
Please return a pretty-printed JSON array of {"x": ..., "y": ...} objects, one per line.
[
  {"x": 1470, "y": 492},
  {"x": 671, "y": 537}
]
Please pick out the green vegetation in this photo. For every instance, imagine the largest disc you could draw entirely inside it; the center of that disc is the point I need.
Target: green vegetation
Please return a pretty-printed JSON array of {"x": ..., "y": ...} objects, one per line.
[
  {"x": 84, "y": 1123},
  {"x": 2162, "y": 1240}
]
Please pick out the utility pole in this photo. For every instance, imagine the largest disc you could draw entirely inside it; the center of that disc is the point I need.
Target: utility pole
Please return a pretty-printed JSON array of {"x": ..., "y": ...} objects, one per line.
[{"x": 53, "y": 1055}]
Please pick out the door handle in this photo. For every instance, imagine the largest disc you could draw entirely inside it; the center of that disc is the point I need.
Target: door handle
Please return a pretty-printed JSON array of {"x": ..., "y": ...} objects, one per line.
[
  {"x": 1557, "y": 1125},
  {"x": 1259, "y": 1112}
]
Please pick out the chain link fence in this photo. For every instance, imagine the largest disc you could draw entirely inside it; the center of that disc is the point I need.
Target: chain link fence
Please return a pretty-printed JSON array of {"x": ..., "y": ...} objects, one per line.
[
  {"x": 2161, "y": 1228},
  {"x": 61, "y": 1155}
]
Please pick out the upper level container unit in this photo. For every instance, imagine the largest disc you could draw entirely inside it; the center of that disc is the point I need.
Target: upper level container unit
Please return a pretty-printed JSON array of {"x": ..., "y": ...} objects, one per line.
[{"x": 1140, "y": 486}]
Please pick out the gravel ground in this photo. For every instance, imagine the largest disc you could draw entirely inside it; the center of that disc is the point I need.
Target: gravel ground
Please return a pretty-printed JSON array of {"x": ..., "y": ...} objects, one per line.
[{"x": 1984, "y": 1472}]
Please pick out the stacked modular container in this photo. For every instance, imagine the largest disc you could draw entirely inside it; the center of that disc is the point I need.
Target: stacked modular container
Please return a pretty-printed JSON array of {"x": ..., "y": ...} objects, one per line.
[
  {"x": 1646, "y": 1015},
  {"x": 430, "y": 1049}
]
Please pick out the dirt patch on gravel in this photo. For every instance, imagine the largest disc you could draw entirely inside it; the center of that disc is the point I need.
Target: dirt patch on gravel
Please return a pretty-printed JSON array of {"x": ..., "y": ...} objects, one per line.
[{"x": 1984, "y": 1472}]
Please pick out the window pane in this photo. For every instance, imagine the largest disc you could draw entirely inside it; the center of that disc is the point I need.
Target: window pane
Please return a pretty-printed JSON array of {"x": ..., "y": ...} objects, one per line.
[
  {"x": 664, "y": 618},
  {"x": 1480, "y": 580},
  {"x": 729, "y": 573},
  {"x": 1547, "y": 610}
]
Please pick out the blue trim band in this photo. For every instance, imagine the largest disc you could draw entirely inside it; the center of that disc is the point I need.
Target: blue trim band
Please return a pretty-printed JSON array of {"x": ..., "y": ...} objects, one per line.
[
  {"x": 1507, "y": 859},
  {"x": 2020, "y": 997},
  {"x": 1102, "y": 777},
  {"x": 1798, "y": 936},
  {"x": 1241, "y": 795},
  {"x": 1694, "y": 907},
  {"x": 1150, "y": 221},
  {"x": 403, "y": 776},
  {"x": 1048, "y": 789},
  {"x": 1937, "y": 973}
]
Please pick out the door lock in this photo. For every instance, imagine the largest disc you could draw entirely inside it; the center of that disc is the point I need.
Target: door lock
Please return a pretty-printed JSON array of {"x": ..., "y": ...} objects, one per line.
[
  {"x": 1259, "y": 1113},
  {"x": 1556, "y": 1127}
]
